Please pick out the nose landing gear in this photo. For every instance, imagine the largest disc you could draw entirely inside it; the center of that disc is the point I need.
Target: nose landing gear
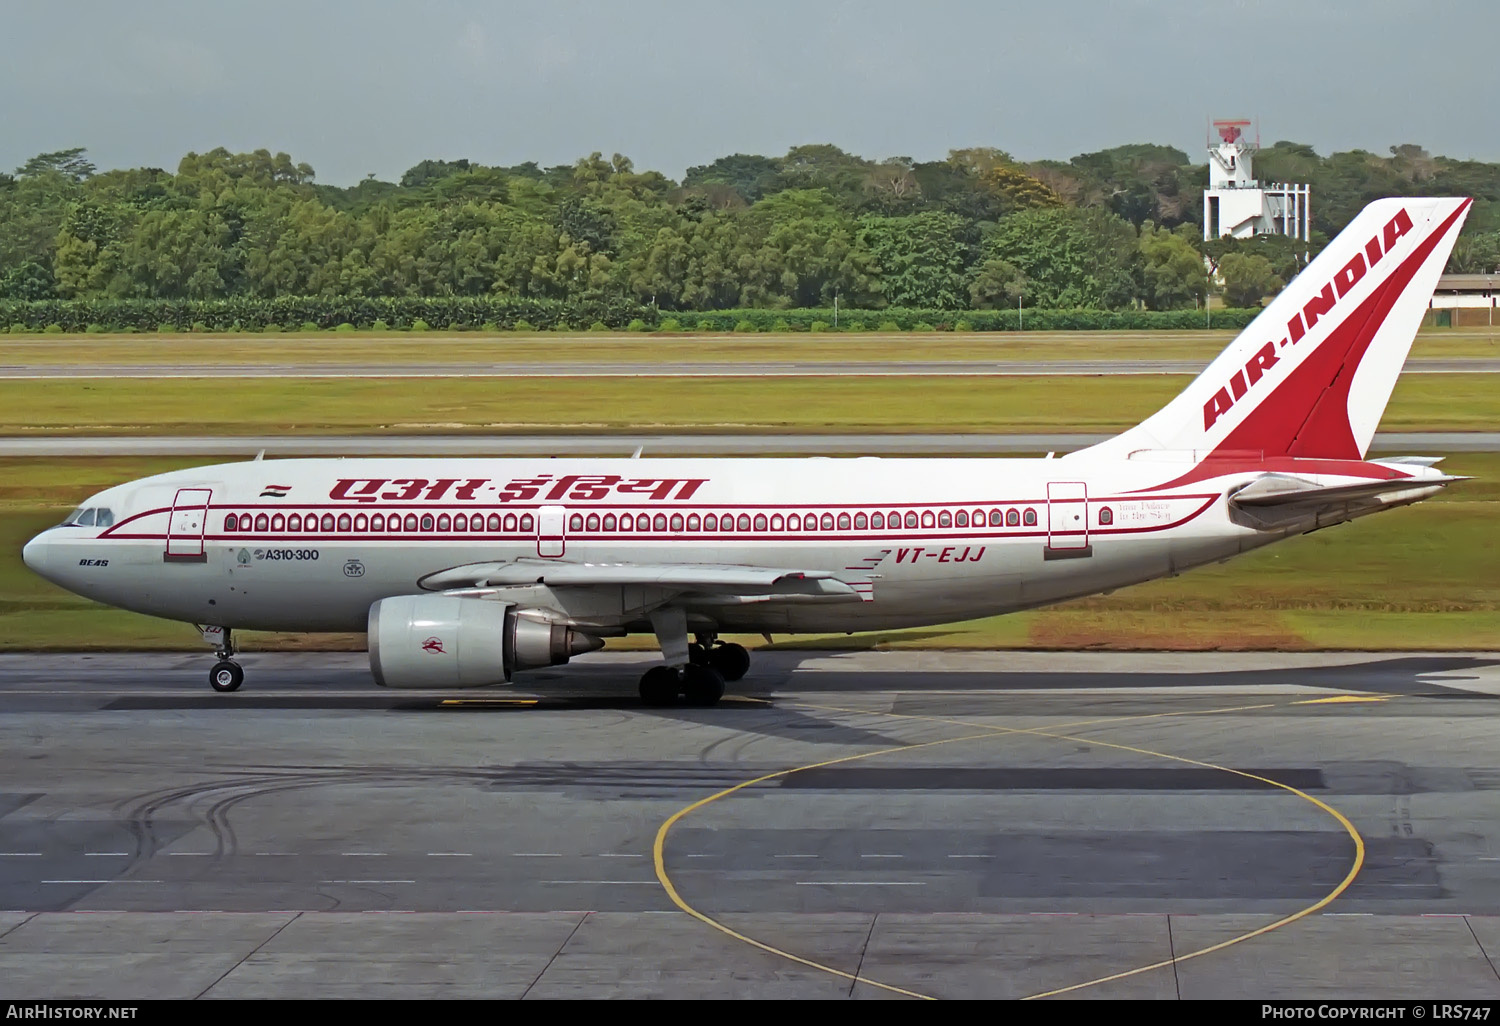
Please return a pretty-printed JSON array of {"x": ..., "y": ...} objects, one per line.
[{"x": 226, "y": 675}]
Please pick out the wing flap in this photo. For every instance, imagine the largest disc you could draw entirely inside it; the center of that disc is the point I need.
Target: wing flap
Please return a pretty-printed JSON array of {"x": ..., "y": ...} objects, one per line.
[{"x": 721, "y": 584}]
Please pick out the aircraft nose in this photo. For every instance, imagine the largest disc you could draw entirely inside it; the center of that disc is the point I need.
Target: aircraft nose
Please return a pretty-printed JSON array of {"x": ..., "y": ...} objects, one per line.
[{"x": 34, "y": 555}]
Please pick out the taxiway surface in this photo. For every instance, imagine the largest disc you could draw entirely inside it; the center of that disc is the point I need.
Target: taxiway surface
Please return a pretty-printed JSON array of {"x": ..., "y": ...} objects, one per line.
[
  {"x": 675, "y": 369},
  {"x": 1425, "y": 442},
  {"x": 933, "y": 824}
]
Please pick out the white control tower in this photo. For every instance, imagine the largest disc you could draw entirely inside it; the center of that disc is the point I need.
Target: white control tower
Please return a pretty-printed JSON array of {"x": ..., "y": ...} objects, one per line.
[{"x": 1237, "y": 205}]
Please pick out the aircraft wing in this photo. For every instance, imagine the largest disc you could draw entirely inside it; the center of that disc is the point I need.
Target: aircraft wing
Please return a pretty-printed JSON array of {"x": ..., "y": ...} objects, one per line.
[
  {"x": 1286, "y": 500},
  {"x": 709, "y": 583}
]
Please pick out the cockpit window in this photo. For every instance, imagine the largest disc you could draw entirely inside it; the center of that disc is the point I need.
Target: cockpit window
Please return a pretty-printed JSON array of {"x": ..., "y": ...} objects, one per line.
[{"x": 90, "y": 517}]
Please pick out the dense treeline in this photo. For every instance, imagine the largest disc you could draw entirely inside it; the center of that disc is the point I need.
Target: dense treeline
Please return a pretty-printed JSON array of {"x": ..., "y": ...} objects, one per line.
[
  {"x": 599, "y": 241},
  {"x": 489, "y": 313}
]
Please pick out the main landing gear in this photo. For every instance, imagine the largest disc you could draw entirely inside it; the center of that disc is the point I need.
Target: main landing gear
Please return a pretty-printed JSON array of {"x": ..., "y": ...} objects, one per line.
[
  {"x": 227, "y": 675},
  {"x": 694, "y": 672}
]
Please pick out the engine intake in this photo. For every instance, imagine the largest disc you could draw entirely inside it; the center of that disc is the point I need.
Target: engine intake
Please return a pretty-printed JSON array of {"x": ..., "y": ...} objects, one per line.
[{"x": 443, "y": 641}]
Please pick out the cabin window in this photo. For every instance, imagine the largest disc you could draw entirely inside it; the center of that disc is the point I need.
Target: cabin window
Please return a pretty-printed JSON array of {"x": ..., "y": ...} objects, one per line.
[
  {"x": 760, "y": 521},
  {"x": 861, "y": 521},
  {"x": 710, "y": 522},
  {"x": 659, "y": 523},
  {"x": 895, "y": 519},
  {"x": 510, "y": 523},
  {"x": 476, "y": 522},
  {"x": 961, "y": 518},
  {"x": 427, "y": 521},
  {"x": 575, "y": 522},
  {"x": 609, "y": 521},
  {"x": 526, "y": 522},
  {"x": 232, "y": 523},
  {"x": 1012, "y": 518},
  {"x": 361, "y": 522},
  {"x": 844, "y": 521},
  {"x": 676, "y": 522},
  {"x": 278, "y": 522},
  {"x": 793, "y": 522},
  {"x": 877, "y": 521},
  {"x": 911, "y": 520},
  {"x": 262, "y": 522},
  {"x": 493, "y": 523},
  {"x": 1106, "y": 516},
  {"x": 410, "y": 523},
  {"x": 742, "y": 522},
  {"x": 392, "y": 525},
  {"x": 345, "y": 521},
  {"x": 627, "y": 522},
  {"x": 592, "y": 523},
  {"x": 826, "y": 522},
  {"x": 945, "y": 519},
  {"x": 778, "y": 522},
  {"x": 444, "y": 523},
  {"x": 377, "y": 522},
  {"x": 927, "y": 520},
  {"x": 642, "y": 522},
  {"x": 460, "y": 522},
  {"x": 1031, "y": 518},
  {"x": 694, "y": 522},
  {"x": 810, "y": 522}
]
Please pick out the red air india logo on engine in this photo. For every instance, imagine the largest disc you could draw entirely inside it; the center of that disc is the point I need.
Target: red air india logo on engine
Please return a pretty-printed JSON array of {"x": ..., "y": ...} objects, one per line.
[
  {"x": 1321, "y": 304},
  {"x": 433, "y": 645}
]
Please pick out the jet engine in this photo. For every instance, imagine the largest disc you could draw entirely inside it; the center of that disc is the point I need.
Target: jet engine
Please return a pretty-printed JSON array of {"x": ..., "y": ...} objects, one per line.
[{"x": 444, "y": 641}]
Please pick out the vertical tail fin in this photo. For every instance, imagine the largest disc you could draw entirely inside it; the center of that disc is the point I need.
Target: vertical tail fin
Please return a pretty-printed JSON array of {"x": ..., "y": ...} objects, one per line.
[{"x": 1313, "y": 372}]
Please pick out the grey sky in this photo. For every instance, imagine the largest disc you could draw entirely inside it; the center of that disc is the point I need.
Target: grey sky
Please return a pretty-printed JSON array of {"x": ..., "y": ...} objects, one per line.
[{"x": 375, "y": 86}]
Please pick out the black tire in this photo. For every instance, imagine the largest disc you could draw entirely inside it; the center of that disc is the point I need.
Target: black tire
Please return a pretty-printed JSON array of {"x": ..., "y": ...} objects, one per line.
[
  {"x": 660, "y": 686},
  {"x": 226, "y": 676},
  {"x": 731, "y": 660},
  {"x": 698, "y": 653},
  {"x": 702, "y": 686}
]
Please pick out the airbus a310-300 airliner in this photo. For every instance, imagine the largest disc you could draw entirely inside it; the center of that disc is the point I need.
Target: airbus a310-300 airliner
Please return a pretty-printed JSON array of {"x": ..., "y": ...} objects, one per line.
[{"x": 465, "y": 571}]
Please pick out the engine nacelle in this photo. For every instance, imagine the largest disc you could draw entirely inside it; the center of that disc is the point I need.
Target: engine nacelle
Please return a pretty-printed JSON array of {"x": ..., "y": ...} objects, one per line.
[{"x": 443, "y": 641}]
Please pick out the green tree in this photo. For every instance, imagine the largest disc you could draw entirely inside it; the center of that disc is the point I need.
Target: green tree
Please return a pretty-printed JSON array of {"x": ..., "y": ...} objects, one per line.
[
  {"x": 920, "y": 260},
  {"x": 1173, "y": 272},
  {"x": 70, "y": 164},
  {"x": 1248, "y": 278},
  {"x": 1071, "y": 258}
]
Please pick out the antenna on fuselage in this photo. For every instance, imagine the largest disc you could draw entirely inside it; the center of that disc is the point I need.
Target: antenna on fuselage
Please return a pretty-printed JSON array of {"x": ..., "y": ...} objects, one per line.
[
  {"x": 259, "y": 455},
  {"x": 638, "y": 450}
]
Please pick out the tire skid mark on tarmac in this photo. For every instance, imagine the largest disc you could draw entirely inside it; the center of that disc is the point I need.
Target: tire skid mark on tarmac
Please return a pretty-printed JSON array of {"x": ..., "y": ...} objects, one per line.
[{"x": 659, "y": 846}]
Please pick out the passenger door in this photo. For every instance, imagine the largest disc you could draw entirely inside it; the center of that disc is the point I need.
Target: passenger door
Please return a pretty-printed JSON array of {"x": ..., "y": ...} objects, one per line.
[
  {"x": 185, "y": 526},
  {"x": 1067, "y": 519}
]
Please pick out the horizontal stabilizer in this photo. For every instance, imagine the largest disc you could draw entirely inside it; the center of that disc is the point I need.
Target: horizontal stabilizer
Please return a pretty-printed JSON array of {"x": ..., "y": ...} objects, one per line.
[
  {"x": 1286, "y": 490},
  {"x": 1285, "y": 502}
]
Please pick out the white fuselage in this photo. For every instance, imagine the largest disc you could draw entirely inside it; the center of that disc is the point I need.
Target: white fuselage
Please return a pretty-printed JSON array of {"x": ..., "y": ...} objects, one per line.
[{"x": 309, "y": 545}]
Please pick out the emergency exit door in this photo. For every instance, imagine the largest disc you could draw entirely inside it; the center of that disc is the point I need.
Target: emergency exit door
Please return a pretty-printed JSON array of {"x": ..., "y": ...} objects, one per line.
[{"x": 551, "y": 531}]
